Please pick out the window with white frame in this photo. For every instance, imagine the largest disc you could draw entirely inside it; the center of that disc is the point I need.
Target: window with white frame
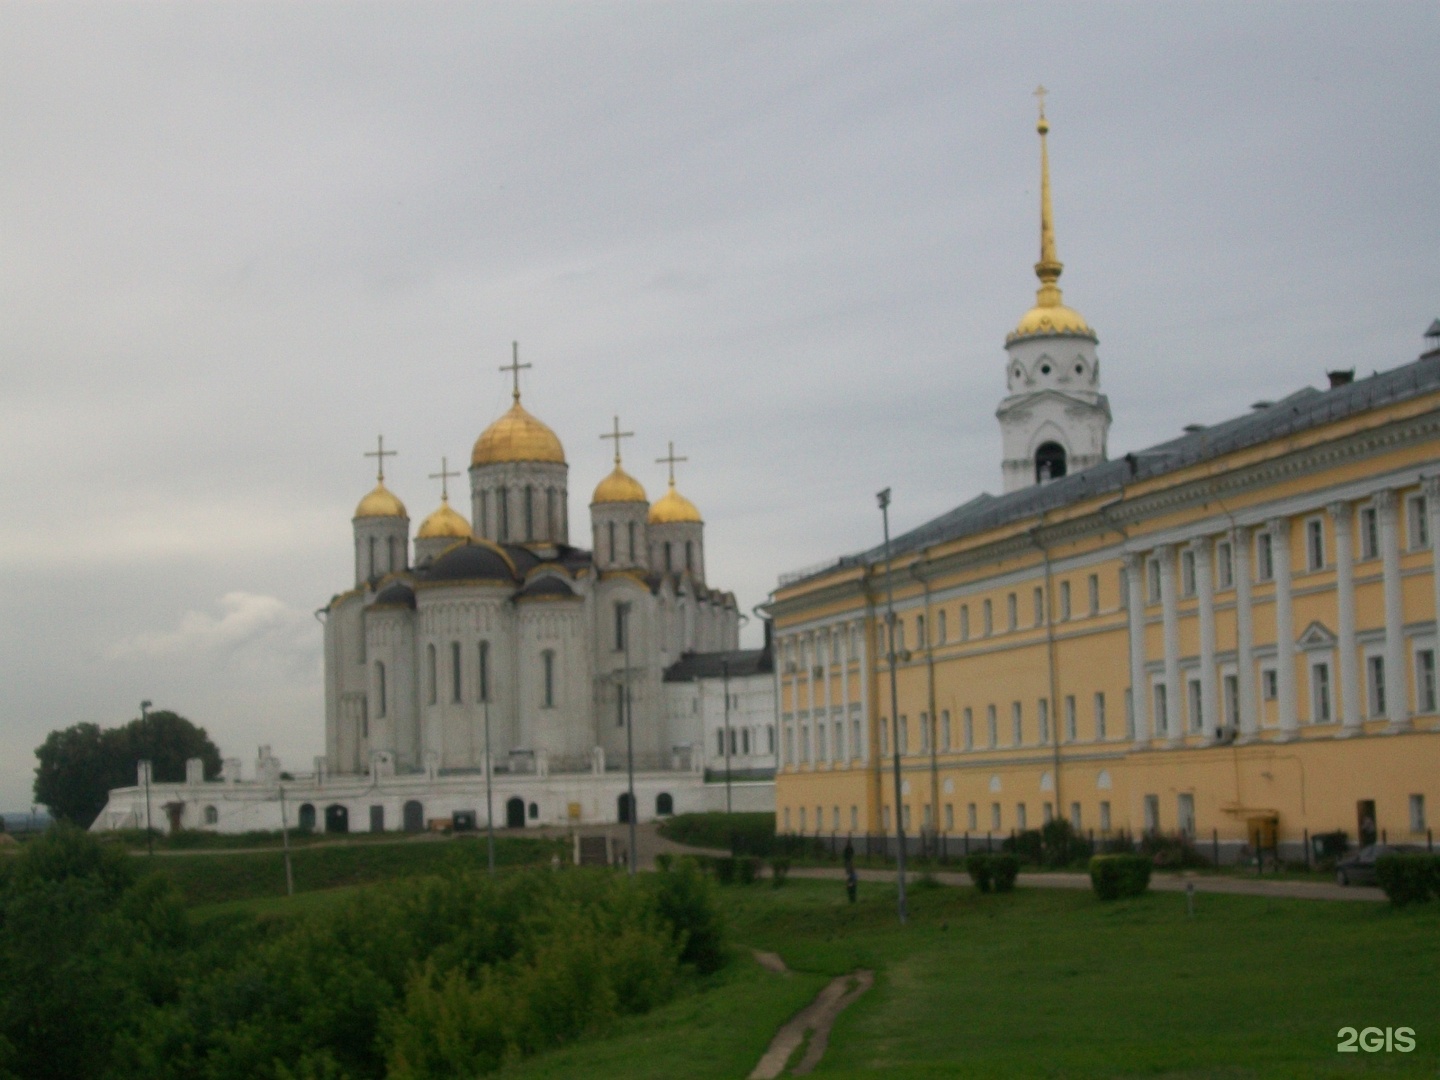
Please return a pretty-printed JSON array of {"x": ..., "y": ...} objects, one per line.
[
  {"x": 969, "y": 733},
  {"x": 1196, "y": 701},
  {"x": 1375, "y": 675},
  {"x": 1224, "y": 565},
  {"x": 1230, "y": 690},
  {"x": 1162, "y": 720},
  {"x": 1071, "y": 734},
  {"x": 940, "y": 627},
  {"x": 904, "y": 734},
  {"x": 1425, "y": 680},
  {"x": 1185, "y": 812},
  {"x": 1321, "y": 711},
  {"x": 1064, "y": 601},
  {"x": 1099, "y": 715},
  {"x": 995, "y": 817},
  {"x": 1152, "y": 813},
  {"x": 1315, "y": 543},
  {"x": 924, "y": 733},
  {"x": 1264, "y": 556},
  {"x": 1129, "y": 712},
  {"x": 1017, "y": 724},
  {"x": 1094, "y": 594},
  {"x": 1417, "y": 813},
  {"x": 1047, "y": 812},
  {"x": 994, "y": 724},
  {"x": 547, "y": 663},
  {"x": 949, "y": 817},
  {"x": 820, "y": 741},
  {"x": 1269, "y": 684},
  {"x": 1369, "y": 533},
  {"x": 1187, "y": 572},
  {"x": 805, "y": 743},
  {"x": 854, "y": 740},
  {"x": 1152, "y": 574},
  {"x": 1075, "y": 816},
  {"x": 919, "y": 631},
  {"x": 1417, "y": 524}
]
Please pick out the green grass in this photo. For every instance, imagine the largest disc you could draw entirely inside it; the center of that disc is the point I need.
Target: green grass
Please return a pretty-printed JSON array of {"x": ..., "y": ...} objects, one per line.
[
  {"x": 1051, "y": 983},
  {"x": 205, "y": 879}
]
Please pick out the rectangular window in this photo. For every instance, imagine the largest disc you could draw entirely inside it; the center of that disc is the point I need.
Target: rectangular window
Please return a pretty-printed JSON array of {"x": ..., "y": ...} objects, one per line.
[
  {"x": 945, "y": 729},
  {"x": 838, "y": 741},
  {"x": 1020, "y": 816},
  {"x": 988, "y": 624},
  {"x": 1187, "y": 573},
  {"x": 1425, "y": 680},
  {"x": 854, "y": 819},
  {"x": 884, "y": 737},
  {"x": 1418, "y": 525},
  {"x": 1232, "y": 700},
  {"x": 548, "y": 661},
  {"x": 1369, "y": 533},
  {"x": 964, "y": 622},
  {"x": 1039, "y": 595},
  {"x": 1129, "y": 713},
  {"x": 1012, "y": 612},
  {"x": 919, "y": 631},
  {"x": 483, "y": 663},
  {"x": 1017, "y": 723},
  {"x": 1075, "y": 816},
  {"x": 1197, "y": 707},
  {"x": 1224, "y": 565},
  {"x": 949, "y": 817},
  {"x": 1315, "y": 543},
  {"x": 969, "y": 729},
  {"x": 1043, "y": 710},
  {"x": 854, "y": 741},
  {"x": 1417, "y": 813},
  {"x": 1375, "y": 669},
  {"x": 1100, "y": 716},
  {"x": 940, "y": 628},
  {"x": 621, "y": 612},
  {"x": 1071, "y": 727},
  {"x": 995, "y": 817},
  {"x": 971, "y": 819},
  {"x": 820, "y": 754},
  {"x": 1320, "y": 693},
  {"x": 1269, "y": 684},
  {"x": 994, "y": 725},
  {"x": 904, "y": 735},
  {"x": 431, "y": 685},
  {"x": 1264, "y": 556},
  {"x": 720, "y": 742},
  {"x": 924, "y": 733},
  {"x": 1094, "y": 594},
  {"x": 1152, "y": 575},
  {"x": 1152, "y": 813},
  {"x": 1162, "y": 720},
  {"x": 1064, "y": 601},
  {"x": 1047, "y": 812},
  {"x": 455, "y": 671},
  {"x": 1185, "y": 811},
  {"x": 1104, "y": 815}
]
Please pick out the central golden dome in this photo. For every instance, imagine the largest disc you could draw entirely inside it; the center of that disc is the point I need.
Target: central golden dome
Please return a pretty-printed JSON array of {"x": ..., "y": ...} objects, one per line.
[
  {"x": 672, "y": 508},
  {"x": 517, "y": 436},
  {"x": 619, "y": 487},
  {"x": 1051, "y": 319},
  {"x": 380, "y": 503},
  {"x": 444, "y": 523}
]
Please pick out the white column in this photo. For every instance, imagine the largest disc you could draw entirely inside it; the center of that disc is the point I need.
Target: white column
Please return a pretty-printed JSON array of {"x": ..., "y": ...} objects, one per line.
[
  {"x": 845, "y": 651},
  {"x": 1397, "y": 682},
  {"x": 1343, "y": 515},
  {"x": 1205, "y": 590},
  {"x": 1244, "y": 637},
  {"x": 781, "y": 647},
  {"x": 827, "y": 669},
  {"x": 807, "y": 729},
  {"x": 1174, "y": 729},
  {"x": 1139, "y": 688},
  {"x": 1284, "y": 627},
  {"x": 1432, "y": 510}
]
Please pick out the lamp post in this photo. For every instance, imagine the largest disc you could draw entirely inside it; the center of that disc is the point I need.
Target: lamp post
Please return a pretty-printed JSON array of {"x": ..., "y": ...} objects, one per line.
[
  {"x": 629, "y": 738},
  {"x": 489, "y": 769},
  {"x": 884, "y": 500},
  {"x": 725, "y": 686},
  {"x": 149, "y": 768}
]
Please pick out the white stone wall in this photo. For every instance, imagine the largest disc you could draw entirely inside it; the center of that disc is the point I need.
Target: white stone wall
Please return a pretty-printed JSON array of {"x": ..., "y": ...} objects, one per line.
[
  {"x": 1054, "y": 396},
  {"x": 492, "y": 486},
  {"x": 625, "y": 517},
  {"x": 388, "y": 538}
]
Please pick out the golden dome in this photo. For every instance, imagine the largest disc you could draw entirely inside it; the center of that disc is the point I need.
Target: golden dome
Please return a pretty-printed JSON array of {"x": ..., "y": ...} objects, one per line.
[
  {"x": 380, "y": 503},
  {"x": 444, "y": 522},
  {"x": 517, "y": 436},
  {"x": 619, "y": 487},
  {"x": 1051, "y": 319},
  {"x": 673, "y": 507}
]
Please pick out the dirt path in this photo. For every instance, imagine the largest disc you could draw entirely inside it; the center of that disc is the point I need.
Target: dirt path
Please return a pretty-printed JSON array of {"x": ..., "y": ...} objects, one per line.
[{"x": 812, "y": 1022}]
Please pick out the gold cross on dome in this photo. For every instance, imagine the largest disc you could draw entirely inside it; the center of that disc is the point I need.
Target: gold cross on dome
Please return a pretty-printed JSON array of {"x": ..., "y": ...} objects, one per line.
[
  {"x": 515, "y": 367},
  {"x": 617, "y": 435},
  {"x": 443, "y": 475},
  {"x": 670, "y": 459},
  {"x": 380, "y": 454},
  {"x": 1040, "y": 93}
]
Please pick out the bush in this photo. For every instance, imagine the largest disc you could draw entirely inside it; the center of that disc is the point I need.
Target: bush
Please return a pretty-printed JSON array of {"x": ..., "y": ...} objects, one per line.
[
  {"x": 740, "y": 834},
  {"x": 1406, "y": 878},
  {"x": 1171, "y": 852},
  {"x": 778, "y": 869},
  {"x": 747, "y": 869},
  {"x": 664, "y": 861},
  {"x": 1028, "y": 845},
  {"x": 1114, "y": 876},
  {"x": 1003, "y": 869},
  {"x": 725, "y": 869},
  {"x": 686, "y": 901}
]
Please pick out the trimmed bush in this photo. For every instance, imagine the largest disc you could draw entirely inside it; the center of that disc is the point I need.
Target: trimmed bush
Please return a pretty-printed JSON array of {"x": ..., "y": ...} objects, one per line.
[
  {"x": 747, "y": 870},
  {"x": 725, "y": 869},
  {"x": 1115, "y": 876},
  {"x": 1407, "y": 878},
  {"x": 778, "y": 869},
  {"x": 981, "y": 872},
  {"x": 1172, "y": 852},
  {"x": 1003, "y": 869}
]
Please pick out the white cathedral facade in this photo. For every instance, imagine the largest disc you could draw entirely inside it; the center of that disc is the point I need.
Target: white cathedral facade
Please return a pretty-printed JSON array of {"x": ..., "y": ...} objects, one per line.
[{"x": 495, "y": 644}]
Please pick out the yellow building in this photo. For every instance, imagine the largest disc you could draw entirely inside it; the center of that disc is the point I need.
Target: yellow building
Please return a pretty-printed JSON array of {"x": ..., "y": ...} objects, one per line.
[{"x": 1232, "y": 630}]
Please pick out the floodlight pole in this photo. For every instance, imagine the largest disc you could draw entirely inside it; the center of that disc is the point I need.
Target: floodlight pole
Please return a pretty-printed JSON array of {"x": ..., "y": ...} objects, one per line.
[
  {"x": 884, "y": 500},
  {"x": 149, "y": 768},
  {"x": 629, "y": 740}
]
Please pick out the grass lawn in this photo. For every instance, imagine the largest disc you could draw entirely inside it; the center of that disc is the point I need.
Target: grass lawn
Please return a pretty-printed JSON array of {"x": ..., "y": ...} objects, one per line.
[{"x": 1051, "y": 983}]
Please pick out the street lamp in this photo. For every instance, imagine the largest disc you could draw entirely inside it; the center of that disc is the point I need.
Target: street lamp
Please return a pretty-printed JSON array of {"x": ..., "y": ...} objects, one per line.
[
  {"x": 884, "y": 500},
  {"x": 725, "y": 685},
  {"x": 149, "y": 768},
  {"x": 629, "y": 736},
  {"x": 489, "y": 768}
]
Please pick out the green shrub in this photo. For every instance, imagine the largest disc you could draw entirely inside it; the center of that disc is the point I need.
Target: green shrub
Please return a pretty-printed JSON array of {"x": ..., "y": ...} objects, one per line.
[
  {"x": 686, "y": 900},
  {"x": 1003, "y": 869},
  {"x": 1407, "y": 878},
  {"x": 1114, "y": 876},
  {"x": 740, "y": 834},
  {"x": 747, "y": 869},
  {"x": 664, "y": 861},
  {"x": 778, "y": 869},
  {"x": 1172, "y": 852},
  {"x": 981, "y": 869},
  {"x": 1027, "y": 844},
  {"x": 725, "y": 869}
]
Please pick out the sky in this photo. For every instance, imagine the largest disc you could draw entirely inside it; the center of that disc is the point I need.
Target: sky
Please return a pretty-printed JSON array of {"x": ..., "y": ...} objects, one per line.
[{"x": 239, "y": 241}]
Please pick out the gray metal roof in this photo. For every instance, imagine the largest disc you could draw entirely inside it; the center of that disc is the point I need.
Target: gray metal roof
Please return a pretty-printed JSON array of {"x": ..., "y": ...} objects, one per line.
[
  {"x": 1300, "y": 411},
  {"x": 713, "y": 665}
]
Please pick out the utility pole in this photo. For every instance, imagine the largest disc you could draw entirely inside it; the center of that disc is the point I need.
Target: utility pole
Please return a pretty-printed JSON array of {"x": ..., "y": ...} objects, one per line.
[
  {"x": 489, "y": 769},
  {"x": 285, "y": 837},
  {"x": 149, "y": 768},
  {"x": 629, "y": 739},
  {"x": 725, "y": 685},
  {"x": 884, "y": 500}
]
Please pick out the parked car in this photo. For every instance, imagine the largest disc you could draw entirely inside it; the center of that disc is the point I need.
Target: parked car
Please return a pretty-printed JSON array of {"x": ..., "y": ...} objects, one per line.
[{"x": 1359, "y": 868}]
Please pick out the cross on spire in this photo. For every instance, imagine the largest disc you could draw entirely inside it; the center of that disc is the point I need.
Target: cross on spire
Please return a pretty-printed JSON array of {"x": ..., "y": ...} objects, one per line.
[
  {"x": 1040, "y": 93},
  {"x": 380, "y": 454},
  {"x": 617, "y": 435},
  {"x": 670, "y": 459},
  {"x": 515, "y": 367},
  {"x": 443, "y": 475}
]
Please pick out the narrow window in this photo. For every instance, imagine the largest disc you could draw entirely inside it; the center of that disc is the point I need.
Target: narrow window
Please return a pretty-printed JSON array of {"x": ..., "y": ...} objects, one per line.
[
  {"x": 949, "y": 817},
  {"x": 969, "y": 734},
  {"x": 904, "y": 735},
  {"x": 920, "y": 631},
  {"x": 964, "y": 622},
  {"x": 988, "y": 624},
  {"x": 1187, "y": 573},
  {"x": 529, "y": 512},
  {"x": 611, "y": 531},
  {"x": 484, "y": 665},
  {"x": 1130, "y": 712},
  {"x": 1039, "y": 599},
  {"x": 854, "y": 741},
  {"x": 884, "y": 737},
  {"x": 1017, "y": 723},
  {"x": 1269, "y": 684},
  {"x": 1152, "y": 569},
  {"x": 1425, "y": 680},
  {"x": 995, "y": 817},
  {"x": 925, "y": 733},
  {"x": 1264, "y": 556},
  {"x": 502, "y": 503},
  {"x": 1232, "y": 700},
  {"x": 431, "y": 690},
  {"x": 1043, "y": 708},
  {"x": 1075, "y": 816},
  {"x": 1094, "y": 594},
  {"x": 1369, "y": 533},
  {"x": 1012, "y": 612},
  {"x": 484, "y": 513},
  {"x": 1197, "y": 717},
  {"x": 1152, "y": 813},
  {"x": 971, "y": 817},
  {"x": 689, "y": 555},
  {"x": 1320, "y": 693},
  {"x": 1064, "y": 601},
  {"x": 620, "y": 621},
  {"x": 940, "y": 628},
  {"x": 390, "y": 563},
  {"x": 1315, "y": 543},
  {"x": 1071, "y": 731},
  {"x": 548, "y": 662},
  {"x": 455, "y": 671},
  {"x": 379, "y": 688},
  {"x": 1162, "y": 722},
  {"x": 945, "y": 729},
  {"x": 770, "y": 738},
  {"x": 1020, "y": 816},
  {"x": 669, "y": 564},
  {"x": 1185, "y": 810},
  {"x": 1224, "y": 565},
  {"x": 1417, "y": 813},
  {"x": 993, "y": 724},
  {"x": 620, "y": 708},
  {"x": 820, "y": 754},
  {"x": 551, "y": 531},
  {"x": 1375, "y": 668},
  {"x": 630, "y": 541},
  {"x": 372, "y": 557},
  {"x": 719, "y": 742},
  {"x": 1104, "y": 815},
  {"x": 1419, "y": 525},
  {"x": 1100, "y": 716}
]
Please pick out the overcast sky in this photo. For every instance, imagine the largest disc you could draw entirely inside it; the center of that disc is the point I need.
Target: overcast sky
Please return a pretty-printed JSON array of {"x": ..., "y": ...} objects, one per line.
[{"x": 239, "y": 241}]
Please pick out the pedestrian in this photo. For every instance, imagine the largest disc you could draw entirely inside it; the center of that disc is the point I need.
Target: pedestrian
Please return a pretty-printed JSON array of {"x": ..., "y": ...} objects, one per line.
[
  {"x": 852, "y": 883},
  {"x": 849, "y": 855}
]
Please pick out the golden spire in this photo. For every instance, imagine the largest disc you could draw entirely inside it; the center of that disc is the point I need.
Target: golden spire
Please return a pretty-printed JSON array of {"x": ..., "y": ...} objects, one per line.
[
  {"x": 617, "y": 435},
  {"x": 1049, "y": 267},
  {"x": 515, "y": 367},
  {"x": 619, "y": 486}
]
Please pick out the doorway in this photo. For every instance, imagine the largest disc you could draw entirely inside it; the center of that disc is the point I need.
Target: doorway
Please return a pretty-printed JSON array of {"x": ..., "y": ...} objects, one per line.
[
  {"x": 623, "y": 806},
  {"x": 337, "y": 819},
  {"x": 515, "y": 813},
  {"x": 414, "y": 816},
  {"x": 377, "y": 819},
  {"x": 1365, "y": 822}
]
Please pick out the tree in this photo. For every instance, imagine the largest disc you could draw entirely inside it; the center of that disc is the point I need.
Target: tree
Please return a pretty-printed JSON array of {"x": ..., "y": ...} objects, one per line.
[{"x": 79, "y": 765}]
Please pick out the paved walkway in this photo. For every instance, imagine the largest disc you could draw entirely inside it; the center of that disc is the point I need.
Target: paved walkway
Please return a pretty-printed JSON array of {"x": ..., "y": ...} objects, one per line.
[{"x": 1204, "y": 883}]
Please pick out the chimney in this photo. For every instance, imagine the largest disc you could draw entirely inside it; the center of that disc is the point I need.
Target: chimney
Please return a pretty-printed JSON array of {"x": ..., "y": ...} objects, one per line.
[{"x": 1341, "y": 378}]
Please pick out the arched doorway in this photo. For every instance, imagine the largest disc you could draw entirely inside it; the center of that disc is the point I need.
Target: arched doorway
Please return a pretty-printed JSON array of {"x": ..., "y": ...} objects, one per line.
[
  {"x": 623, "y": 807},
  {"x": 515, "y": 813},
  {"x": 1049, "y": 462},
  {"x": 664, "y": 804},
  {"x": 337, "y": 818},
  {"x": 414, "y": 816},
  {"x": 307, "y": 817}
]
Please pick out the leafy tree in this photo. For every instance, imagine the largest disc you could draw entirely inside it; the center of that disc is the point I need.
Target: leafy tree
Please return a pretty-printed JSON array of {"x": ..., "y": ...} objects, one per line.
[{"x": 79, "y": 765}]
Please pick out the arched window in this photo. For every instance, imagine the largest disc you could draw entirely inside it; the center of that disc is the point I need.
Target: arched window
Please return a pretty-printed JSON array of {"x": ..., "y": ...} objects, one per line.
[
  {"x": 664, "y": 803},
  {"x": 529, "y": 512},
  {"x": 372, "y": 557},
  {"x": 547, "y": 660},
  {"x": 390, "y": 553},
  {"x": 612, "y": 541},
  {"x": 379, "y": 688},
  {"x": 413, "y": 815},
  {"x": 1049, "y": 462},
  {"x": 455, "y": 671},
  {"x": 337, "y": 819},
  {"x": 212, "y": 816},
  {"x": 484, "y": 652},
  {"x": 307, "y": 817},
  {"x": 668, "y": 566},
  {"x": 630, "y": 529},
  {"x": 431, "y": 689},
  {"x": 502, "y": 511}
]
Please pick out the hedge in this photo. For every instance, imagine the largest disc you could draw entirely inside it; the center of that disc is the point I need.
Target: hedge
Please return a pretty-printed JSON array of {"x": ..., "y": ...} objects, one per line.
[
  {"x": 993, "y": 872},
  {"x": 1114, "y": 876},
  {"x": 1407, "y": 878}
]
